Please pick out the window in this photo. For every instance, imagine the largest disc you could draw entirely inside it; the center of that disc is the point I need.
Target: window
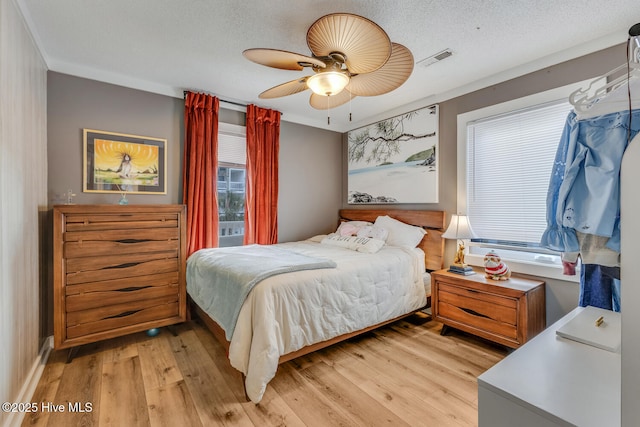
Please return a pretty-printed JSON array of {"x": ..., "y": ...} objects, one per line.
[
  {"x": 232, "y": 155},
  {"x": 506, "y": 154}
]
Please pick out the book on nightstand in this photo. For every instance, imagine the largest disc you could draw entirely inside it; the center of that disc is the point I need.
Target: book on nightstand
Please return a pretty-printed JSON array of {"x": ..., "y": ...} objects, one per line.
[{"x": 460, "y": 269}]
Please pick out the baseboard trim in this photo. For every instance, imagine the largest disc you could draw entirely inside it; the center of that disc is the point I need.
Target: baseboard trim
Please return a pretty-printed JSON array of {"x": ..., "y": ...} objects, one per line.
[{"x": 31, "y": 382}]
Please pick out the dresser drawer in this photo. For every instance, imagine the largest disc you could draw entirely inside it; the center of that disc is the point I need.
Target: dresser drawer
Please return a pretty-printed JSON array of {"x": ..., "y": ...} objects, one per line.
[
  {"x": 120, "y": 242},
  {"x": 94, "y": 269},
  {"x": 120, "y": 221},
  {"x": 98, "y": 294},
  {"x": 80, "y": 323}
]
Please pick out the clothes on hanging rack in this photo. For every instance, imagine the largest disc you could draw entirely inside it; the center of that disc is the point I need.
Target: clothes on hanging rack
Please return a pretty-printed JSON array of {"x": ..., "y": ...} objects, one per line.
[
  {"x": 584, "y": 190},
  {"x": 593, "y": 250},
  {"x": 600, "y": 287},
  {"x": 583, "y": 199},
  {"x": 599, "y": 272}
]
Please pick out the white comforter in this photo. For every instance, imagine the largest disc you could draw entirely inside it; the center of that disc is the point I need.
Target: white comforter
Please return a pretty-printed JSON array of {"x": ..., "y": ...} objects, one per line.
[{"x": 286, "y": 312}]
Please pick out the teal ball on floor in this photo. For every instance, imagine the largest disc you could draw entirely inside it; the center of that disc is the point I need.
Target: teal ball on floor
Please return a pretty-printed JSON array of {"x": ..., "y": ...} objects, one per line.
[{"x": 153, "y": 332}]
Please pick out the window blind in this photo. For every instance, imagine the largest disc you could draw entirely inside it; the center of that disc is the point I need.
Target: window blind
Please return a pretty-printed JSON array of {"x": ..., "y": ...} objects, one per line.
[
  {"x": 509, "y": 162},
  {"x": 232, "y": 149}
]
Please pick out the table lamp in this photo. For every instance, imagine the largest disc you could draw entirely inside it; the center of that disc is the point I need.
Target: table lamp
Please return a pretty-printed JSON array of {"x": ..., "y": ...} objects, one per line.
[{"x": 459, "y": 229}]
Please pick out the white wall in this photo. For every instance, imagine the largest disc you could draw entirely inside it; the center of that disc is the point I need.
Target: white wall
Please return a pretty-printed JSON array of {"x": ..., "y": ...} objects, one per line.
[
  {"x": 630, "y": 289},
  {"x": 23, "y": 200}
]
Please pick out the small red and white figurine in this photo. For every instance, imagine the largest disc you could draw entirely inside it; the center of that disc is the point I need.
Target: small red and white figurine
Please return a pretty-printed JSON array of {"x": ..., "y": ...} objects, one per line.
[{"x": 494, "y": 268}]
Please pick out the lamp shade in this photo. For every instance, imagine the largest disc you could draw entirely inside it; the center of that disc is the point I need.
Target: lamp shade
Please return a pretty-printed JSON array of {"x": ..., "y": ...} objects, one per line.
[
  {"x": 459, "y": 228},
  {"x": 327, "y": 83}
]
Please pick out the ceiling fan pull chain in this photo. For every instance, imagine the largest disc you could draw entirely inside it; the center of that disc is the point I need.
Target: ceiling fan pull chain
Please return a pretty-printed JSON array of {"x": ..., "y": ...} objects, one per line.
[
  {"x": 350, "y": 106},
  {"x": 328, "y": 112}
]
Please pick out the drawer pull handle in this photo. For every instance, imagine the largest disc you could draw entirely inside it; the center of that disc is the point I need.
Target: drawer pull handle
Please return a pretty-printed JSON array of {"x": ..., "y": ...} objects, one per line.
[
  {"x": 132, "y": 288},
  {"x": 128, "y": 264},
  {"x": 474, "y": 313},
  {"x": 124, "y": 314},
  {"x": 132, "y": 240}
]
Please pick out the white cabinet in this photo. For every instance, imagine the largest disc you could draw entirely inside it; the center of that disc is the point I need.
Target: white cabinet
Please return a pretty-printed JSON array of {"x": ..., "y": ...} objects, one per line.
[{"x": 552, "y": 381}]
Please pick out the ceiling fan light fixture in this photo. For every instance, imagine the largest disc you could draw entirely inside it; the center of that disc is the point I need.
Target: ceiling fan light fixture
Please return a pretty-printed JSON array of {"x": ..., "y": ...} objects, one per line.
[{"x": 328, "y": 83}]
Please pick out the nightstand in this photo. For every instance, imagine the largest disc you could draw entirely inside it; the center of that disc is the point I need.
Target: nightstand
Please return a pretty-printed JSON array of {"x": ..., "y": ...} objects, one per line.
[{"x": 508, "y": 312}]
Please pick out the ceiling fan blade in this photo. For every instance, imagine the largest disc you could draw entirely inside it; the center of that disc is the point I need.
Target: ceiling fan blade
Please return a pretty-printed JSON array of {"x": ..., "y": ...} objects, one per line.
[
  {"x": 285, "y": 89},
  {"x": 320, "y": 102},
  {"x": 388, "y": 77},
  {"x": 281, "y": 59},
  {"x": 365, "y": 46}
]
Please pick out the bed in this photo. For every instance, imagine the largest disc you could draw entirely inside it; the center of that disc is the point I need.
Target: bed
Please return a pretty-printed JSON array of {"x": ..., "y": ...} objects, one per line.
[{"x": 339, "y": 292}]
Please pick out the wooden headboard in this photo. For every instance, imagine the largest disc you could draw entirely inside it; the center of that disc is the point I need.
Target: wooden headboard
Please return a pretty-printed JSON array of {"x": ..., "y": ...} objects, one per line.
[{"x": 433, "y": 221}]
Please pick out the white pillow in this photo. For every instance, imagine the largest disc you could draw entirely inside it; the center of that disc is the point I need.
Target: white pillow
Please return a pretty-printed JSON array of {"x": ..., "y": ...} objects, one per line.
[
  {"x": 374, "y": 232},
  {"x": 400, "y": 234},
  {"x": 351, "y": 228},
  {"x": 360, "y": 244}
]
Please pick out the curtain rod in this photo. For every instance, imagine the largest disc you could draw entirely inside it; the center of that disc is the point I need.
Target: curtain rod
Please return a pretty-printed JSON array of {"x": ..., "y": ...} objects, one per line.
[{"x": 239, "y": 104}]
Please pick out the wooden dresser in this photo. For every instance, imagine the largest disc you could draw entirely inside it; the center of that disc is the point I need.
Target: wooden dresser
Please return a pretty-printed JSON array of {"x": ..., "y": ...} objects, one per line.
[
  {"x": 508, "y": 312},
  {"x": 117, "y": 270}
]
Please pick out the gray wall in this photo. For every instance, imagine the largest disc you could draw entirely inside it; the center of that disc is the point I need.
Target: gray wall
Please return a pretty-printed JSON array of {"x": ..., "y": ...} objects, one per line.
[
  {"x": 310, "y": 181},
  {"x": 75, "y": 104}
]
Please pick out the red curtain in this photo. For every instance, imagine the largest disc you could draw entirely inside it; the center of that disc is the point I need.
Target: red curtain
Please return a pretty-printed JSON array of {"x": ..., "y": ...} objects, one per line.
[
  {"x": 261, "y": 203},
  {"x": 199, "y": 170}
]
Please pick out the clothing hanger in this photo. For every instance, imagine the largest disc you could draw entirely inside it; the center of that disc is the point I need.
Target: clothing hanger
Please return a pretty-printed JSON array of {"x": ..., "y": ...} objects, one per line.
[
  {"x": 614, "y": 95},
  {"x": 611, "y": 97}
]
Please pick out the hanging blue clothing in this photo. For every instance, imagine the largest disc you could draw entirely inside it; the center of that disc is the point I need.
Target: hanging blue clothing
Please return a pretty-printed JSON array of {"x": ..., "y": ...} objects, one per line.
[
  {"x": 584, "y": 189},
  {"x": 600, "y": 287}
]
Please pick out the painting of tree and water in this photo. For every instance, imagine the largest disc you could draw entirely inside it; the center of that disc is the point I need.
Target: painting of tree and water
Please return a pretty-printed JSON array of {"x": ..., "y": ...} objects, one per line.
[{"x": 395, "y": 160}]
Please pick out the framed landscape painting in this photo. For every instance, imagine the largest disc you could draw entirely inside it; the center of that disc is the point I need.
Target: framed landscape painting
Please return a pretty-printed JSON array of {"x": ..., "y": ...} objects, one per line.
[
  {"x": 121, "y": 163},
  {"x": 395, "y": 160}
]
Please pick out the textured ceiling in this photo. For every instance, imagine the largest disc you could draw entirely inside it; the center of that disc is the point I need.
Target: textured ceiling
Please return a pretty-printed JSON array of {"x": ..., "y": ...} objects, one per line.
[{"x": 167, "y": 46}]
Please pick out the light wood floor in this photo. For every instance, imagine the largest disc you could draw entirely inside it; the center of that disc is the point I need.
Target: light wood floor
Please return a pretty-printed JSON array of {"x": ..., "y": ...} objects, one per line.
[{"x": 405, "y": 374}]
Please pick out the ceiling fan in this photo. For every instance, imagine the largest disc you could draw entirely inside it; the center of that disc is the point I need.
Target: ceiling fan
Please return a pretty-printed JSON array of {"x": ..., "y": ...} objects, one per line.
[{"x": 351, "y": 56}]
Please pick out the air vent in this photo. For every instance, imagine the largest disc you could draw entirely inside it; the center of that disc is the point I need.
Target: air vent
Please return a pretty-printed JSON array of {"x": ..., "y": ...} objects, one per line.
[{"x": 435, "y": 58}]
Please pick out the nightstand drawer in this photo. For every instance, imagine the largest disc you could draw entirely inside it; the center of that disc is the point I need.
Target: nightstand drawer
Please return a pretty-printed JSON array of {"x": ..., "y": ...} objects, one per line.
[
  {"x": 483, "y": 319},
  {"x": 487, "y": 305}
]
